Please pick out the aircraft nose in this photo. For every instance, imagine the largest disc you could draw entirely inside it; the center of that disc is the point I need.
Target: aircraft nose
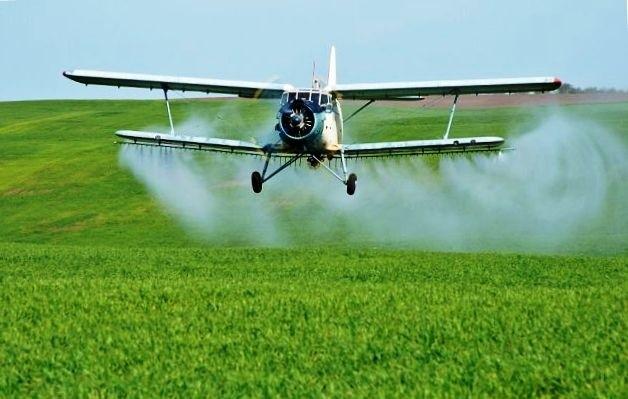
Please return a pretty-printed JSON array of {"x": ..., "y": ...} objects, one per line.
[{"x": 296, "y": 119}]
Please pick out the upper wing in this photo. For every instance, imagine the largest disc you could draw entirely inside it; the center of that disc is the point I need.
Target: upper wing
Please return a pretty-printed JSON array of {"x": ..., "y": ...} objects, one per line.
[
  {"x": 387, "y": 91},
  {"x": 239, "y": 88},
  {"x": 423, "y": 147}
]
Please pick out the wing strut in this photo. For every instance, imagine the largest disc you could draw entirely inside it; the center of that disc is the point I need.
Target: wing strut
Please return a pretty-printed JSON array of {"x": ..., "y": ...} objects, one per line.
[
  {"x": 320, "y": 161},
  {"x": 169, "y": 113},
  {"x": 451, "y": 117},
  {"x": 358, "y": 111},
  {"x": 279, "y": 169},
  {"x": 344, "y": 162}
]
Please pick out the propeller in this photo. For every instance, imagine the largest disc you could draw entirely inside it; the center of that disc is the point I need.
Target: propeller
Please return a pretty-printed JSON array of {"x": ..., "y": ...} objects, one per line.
[{"x": 297, "y": 119}]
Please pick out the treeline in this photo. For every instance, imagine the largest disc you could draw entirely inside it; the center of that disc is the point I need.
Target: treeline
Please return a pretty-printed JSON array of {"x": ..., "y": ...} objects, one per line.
[{"x": 566, "y": 88}]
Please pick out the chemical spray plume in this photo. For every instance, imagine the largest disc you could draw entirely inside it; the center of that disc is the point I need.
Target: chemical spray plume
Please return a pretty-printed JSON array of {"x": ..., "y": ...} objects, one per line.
[{"x": 564, "y": 180}]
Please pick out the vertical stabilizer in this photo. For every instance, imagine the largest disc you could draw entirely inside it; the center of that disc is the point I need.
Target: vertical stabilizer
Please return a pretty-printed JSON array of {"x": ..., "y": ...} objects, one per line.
[{"x": 331, "y": 78}]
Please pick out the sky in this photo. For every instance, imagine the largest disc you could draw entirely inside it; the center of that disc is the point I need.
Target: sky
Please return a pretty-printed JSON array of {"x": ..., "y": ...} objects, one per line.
[{"x": 584, "y": 42}]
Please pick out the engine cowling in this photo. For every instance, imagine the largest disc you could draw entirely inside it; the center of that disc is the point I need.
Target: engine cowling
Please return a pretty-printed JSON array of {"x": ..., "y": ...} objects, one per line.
[{"x": 297, "y": 119}]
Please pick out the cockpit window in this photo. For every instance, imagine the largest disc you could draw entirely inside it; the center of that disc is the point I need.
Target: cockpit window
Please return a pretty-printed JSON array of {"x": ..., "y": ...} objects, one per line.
[{"x": 310, "y": 95}]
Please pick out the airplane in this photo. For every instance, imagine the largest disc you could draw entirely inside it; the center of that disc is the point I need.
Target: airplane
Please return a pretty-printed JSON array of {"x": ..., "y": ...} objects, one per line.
[{"x": 310, "y": 120}]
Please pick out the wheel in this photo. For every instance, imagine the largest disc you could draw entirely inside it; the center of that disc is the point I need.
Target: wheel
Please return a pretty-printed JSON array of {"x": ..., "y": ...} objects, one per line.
[
  {"x": 351, "y": 183},
  {"x": 256, "y": 182}
]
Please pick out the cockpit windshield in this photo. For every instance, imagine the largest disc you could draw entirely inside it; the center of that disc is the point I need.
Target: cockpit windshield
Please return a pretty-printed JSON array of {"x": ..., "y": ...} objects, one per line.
[{"x": 309, "y": 95}]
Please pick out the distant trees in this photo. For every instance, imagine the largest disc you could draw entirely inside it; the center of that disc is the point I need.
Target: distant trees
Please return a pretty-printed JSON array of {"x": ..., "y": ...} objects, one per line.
[{"x": 567, "y": 88}]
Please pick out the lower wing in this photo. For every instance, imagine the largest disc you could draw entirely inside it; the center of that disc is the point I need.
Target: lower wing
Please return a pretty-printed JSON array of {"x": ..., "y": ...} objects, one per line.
[
  {"x": 362, "y": 150},
  {"x": 200, "y": 143},
  {"x": 423, "y": 147}
]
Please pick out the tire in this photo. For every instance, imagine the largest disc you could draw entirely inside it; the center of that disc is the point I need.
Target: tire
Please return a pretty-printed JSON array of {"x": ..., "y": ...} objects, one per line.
[
  {"x": 351, "y": 183},
  {"x": 256, "y": 182}
]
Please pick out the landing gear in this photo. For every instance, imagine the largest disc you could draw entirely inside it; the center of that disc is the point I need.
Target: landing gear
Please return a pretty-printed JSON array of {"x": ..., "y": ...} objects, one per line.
[
  {"x": 256, "y": 182},
  {"x": 351, "y": 183},
  {"x": 346, "y": 178},
  {"x": 258, "y": 179}
]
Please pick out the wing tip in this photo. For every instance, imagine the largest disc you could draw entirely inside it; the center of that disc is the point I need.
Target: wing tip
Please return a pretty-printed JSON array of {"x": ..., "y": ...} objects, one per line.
[{"x": 70, "y": 75}]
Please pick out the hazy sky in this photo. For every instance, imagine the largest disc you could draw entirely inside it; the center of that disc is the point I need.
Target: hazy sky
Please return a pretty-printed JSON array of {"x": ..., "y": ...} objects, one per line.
[{"x": 585, "y": 42}]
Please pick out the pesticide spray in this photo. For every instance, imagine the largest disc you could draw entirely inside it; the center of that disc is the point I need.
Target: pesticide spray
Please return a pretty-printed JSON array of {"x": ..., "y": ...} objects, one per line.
[{"x": 565, "y": 179}]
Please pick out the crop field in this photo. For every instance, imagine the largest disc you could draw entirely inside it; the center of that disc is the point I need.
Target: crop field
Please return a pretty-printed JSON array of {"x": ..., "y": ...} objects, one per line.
[
  {"x": 180, "y": 322},
  {"x": 105, "y": 292}
]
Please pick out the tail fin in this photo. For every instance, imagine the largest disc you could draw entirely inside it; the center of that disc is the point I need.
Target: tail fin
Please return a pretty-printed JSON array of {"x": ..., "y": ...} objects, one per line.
[{"x": 331, "y": 78}]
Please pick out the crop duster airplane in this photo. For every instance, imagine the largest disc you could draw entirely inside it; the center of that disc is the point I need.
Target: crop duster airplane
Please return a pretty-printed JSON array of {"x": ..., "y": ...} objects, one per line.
[{"x": 310, "y": 120}]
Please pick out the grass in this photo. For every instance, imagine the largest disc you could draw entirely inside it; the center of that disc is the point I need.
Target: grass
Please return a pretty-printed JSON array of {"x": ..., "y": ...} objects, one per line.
[
  {"x": 103, "y": 293},
  {"x": 81, "y": 321}
]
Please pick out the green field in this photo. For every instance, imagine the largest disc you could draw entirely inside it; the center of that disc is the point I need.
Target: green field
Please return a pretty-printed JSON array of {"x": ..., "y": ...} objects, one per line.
[
  {"x": 214, "y": 322},
  {"x": 106, "y": 291}
]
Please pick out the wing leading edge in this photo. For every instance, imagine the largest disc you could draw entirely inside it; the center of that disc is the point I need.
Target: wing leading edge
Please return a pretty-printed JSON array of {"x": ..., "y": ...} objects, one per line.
[
  {"x": 192, "y": 143},
  {"x": 227, "y": 146},
  {"x": 423, "y": 147},
  {"x": 236, "y": 87},
  {"x": 388, "y": 91}
]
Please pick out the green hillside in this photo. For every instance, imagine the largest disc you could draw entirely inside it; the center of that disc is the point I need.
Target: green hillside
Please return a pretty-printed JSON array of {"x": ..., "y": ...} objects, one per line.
[{"x": 61, "y": 180}]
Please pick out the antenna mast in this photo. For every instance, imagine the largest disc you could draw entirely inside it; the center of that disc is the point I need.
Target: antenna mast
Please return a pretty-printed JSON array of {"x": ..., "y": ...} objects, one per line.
[{"x": 315, "y": 83}]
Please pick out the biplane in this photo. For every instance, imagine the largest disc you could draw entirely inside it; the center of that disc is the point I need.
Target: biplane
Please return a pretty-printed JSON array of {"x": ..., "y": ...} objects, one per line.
[{"x": 310, "y": 120}]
